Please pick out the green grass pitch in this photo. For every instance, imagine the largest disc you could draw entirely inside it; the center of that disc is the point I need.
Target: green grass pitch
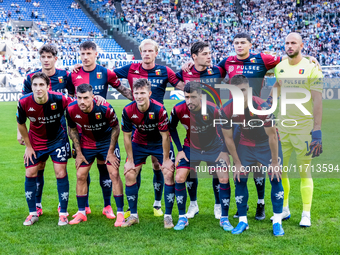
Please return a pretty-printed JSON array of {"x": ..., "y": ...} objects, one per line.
[{"x": 203, "y": 236}]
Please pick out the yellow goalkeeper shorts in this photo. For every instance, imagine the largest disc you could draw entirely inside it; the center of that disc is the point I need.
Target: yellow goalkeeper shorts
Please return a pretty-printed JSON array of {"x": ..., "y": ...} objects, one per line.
[{"x": 299, "y": 143}]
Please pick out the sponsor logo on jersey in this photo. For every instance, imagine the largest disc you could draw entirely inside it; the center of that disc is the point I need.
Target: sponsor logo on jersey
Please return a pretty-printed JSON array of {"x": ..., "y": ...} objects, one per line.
[
  {"x": 54, "y": 106},
  {"x": 99, "y": 75},
  {"x": 301, "y": 71},
  {"x": 31, "y": 109},
  {"x": 210, "y": 72},
  {"x": 151, "y": 115},
  {"x": 32, "y": 119},
  {"x": 61, "y": 79},
  {"x": 231, "y": 68},
  {"x": 134, "y": 116},
  {"x": 253, "y": 60},
  {"x": 78, "y": 117},
  {"x": 136, "y": 71},
  {"x": 79, "y": 77},
  {"x": 158, "y": 72},
  {"x": 205, "y": 117},
  {"x": 185, "y": 116},
  {"x": 190, "y": 73},
  {"x": 98, "y": 115}
]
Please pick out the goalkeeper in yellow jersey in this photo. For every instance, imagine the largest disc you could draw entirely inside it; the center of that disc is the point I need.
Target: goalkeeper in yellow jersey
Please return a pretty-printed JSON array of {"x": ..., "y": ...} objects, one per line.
[{"x": 300, "y": 131}]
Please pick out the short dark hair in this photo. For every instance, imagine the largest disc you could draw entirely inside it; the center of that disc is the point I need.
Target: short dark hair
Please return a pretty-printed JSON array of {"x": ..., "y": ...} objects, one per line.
[
  {"x": 192, "y": 86},
  {"x": 48, "y": 48},
  {"x": 198, "y": 47},
  {"x": 243, "y": 35},
  {"x": 239, "y": 79},
  {"x": 88, "y": 45},
  {"x": 42, "y": 76},
  {"x": 83, "y": 88},
  {"x": 140, "y": 83}
]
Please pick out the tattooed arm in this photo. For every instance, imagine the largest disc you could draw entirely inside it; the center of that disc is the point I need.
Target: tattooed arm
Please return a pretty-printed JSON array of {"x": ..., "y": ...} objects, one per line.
[
  {"x": 111, "y": 156},
  {"x": 76, "y": 143},
  {"x": 125, "y": 92}
]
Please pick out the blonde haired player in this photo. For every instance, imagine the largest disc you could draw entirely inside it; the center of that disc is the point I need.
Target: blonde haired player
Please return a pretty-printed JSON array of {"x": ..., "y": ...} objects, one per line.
[{"x": 298, "y": 72}]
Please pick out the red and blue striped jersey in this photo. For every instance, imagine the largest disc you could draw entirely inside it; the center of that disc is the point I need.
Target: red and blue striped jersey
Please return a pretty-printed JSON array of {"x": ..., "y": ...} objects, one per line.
[
  {"x": 209, "y": 76},
  {"x": 254, "y": 68},
  {"x": 147, "y": 124},
  {"x": 58, "y": 82},
  {"x": 45, "y": 119},
  {"x": 252, "y": 125},
  {"x": 201, "y": 133},
  {"x": 99, "y": 78},
  {"x": 158, "y": 76},
  {"x": 96, "y": 126}
]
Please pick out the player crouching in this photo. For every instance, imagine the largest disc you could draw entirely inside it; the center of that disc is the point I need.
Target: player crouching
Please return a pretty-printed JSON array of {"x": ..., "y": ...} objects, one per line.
[
  {"x": 202, "y": 143},
  {"x": 100, "y": 131},
  {"x": 151, "y": 138},
  {"x": 259, "y": 143}
]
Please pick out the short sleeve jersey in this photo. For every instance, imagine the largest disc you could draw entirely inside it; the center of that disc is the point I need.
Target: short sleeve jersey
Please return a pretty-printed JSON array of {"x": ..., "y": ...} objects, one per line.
[
  {"x": 58, "y": 82},
  {"x": 254, "y": 68},
  {"x": 304, "y": 75},
  {"x": 252, "y": 125},
  {"x": 148, "y": 124},
  {"x": 200, "y": 131},
  {"x": 159, "y": 76},
  {"x": 99, "y": 78},
  {"x": 45, "y": 119},
  {"x": 96, "y": 126}
]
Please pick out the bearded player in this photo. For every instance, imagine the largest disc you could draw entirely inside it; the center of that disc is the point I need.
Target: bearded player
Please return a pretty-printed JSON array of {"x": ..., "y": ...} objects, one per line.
[
  {"x": 202, "y": 143},
  {"x": 306, "y": 137},
  {"x": 100, "y": 78}
]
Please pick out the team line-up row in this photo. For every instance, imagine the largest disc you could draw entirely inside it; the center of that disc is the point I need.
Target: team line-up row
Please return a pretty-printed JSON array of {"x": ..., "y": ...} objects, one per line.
[{"x": 94, "y": 131}]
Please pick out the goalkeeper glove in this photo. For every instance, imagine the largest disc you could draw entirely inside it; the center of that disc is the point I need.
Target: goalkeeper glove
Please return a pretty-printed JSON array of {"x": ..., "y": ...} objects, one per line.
[{"x": 315, "y": 147}]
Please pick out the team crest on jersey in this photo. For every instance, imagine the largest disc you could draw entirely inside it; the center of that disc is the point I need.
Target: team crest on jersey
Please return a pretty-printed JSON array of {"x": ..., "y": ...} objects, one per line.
[
  {"x": 98, "y": 115},
  {"x": 151, "y": 115},
  {"x": 54, "y": 106},
  {"x": 61, "y": 79},
  {"x": 205, "y": 117},
  {"x": 253, "y": 60},
  {"x": 301, "y": 71},
  {"x": 158, "y": 72},
  {"x": 210, "y": 72},
  {"x": 99, "y": 75}
]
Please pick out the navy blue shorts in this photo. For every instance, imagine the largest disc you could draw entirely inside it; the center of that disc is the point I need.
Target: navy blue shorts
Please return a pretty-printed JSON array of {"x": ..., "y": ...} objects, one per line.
[
  {"x": 249, "y": 156},
  {"x": 141, "y": 152},
  {"x": 59, "y": 153},
  {"x": 99, "y": 153},
  {"x": 196, "y": 156}
]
